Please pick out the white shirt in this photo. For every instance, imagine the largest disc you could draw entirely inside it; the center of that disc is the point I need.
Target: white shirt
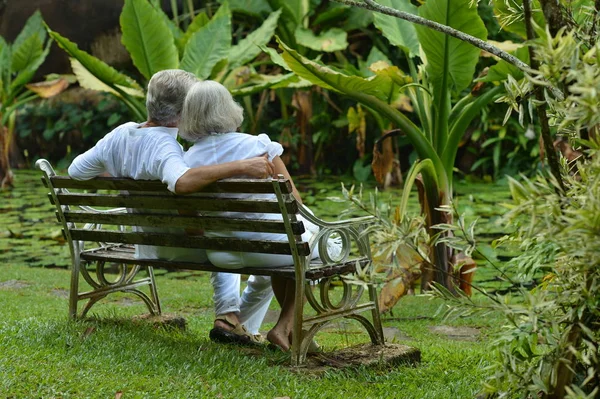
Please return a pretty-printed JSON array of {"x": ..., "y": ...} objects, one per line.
[
  {"x": 147, "y": 153},
  {"x": 143, "y": 153},
  {"x": 228, "y": 147}
]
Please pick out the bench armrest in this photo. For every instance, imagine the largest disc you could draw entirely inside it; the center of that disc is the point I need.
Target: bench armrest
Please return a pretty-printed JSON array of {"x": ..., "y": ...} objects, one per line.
[{"x": 349, "y": 230}]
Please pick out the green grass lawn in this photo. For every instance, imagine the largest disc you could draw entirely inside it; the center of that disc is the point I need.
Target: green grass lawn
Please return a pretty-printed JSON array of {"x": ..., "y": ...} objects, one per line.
[{"x": 44, "y": 355}]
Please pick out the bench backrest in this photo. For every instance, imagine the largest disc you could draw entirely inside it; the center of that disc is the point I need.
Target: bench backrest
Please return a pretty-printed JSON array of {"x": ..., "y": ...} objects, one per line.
[{"x": 111, "y": 203}]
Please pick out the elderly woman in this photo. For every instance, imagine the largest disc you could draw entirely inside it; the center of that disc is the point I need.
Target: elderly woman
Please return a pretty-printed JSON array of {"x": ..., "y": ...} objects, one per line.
[{"x": 210, "y": 119}]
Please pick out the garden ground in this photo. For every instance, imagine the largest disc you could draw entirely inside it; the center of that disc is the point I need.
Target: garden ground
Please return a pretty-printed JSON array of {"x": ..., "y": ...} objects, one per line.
[{"x": 43, "y": 354}]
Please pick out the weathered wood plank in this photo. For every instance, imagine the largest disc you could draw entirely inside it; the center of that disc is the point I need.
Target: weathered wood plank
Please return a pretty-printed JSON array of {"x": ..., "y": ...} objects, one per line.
[
  {"x": 187, "y": 241},
  {"x": 188, "y": 203},
  {"x": 126, "y": 255},
  {"x": 207, "y": 223},
  {"x": 251, "y": 186}
]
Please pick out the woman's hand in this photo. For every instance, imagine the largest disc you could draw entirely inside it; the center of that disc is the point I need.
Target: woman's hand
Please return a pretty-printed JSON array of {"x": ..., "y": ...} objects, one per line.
[{"x": 258, "y": 167}]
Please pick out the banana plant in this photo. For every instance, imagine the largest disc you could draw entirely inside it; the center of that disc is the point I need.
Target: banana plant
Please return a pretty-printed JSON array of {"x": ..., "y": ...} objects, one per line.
[
  {"x": 155, "y": 43},
  {"x": 18, "y": 63},
  {"x": 447, "y": 70}
]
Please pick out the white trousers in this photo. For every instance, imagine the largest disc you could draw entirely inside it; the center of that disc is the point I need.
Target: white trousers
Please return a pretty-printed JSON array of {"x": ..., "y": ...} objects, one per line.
[
  {"x": 254, "y": 302},
  {"x": 252, "y": 305}
]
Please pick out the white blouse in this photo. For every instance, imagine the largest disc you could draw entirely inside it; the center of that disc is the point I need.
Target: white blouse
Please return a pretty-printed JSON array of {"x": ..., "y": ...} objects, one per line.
[{"x": 228, "y": 147}]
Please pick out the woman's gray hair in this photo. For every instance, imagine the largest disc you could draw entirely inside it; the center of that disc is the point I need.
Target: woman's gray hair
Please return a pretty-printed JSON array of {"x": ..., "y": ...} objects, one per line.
[
  {"x": 166, "y": 93},
  {"x": 209, "y": 108}
]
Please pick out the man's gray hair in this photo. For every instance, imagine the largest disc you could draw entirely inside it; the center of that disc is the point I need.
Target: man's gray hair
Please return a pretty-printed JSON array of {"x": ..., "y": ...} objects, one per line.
[
  {"x": 166, "y": 93},
  {"x": 209, "y": 108}
]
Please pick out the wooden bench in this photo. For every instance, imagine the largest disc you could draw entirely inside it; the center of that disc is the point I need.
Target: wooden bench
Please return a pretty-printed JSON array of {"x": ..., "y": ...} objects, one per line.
[{"x": 97, "y": 217}]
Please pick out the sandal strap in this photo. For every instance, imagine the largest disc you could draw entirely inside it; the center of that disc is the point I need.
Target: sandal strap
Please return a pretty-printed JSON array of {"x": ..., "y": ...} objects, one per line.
[{"x": 240, "y": 329}]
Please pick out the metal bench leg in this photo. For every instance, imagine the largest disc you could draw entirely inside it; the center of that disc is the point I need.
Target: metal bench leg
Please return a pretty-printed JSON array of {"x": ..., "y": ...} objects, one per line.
[
  {"x": 74, "y": 288},
  {"x": 376, "y": 317},
  {"x": 153, "y": 291}
]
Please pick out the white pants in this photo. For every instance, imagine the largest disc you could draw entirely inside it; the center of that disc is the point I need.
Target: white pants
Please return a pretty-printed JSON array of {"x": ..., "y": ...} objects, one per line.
[
  {"x": 252, "y": 304},
  {"x": 255, "y": 300}
]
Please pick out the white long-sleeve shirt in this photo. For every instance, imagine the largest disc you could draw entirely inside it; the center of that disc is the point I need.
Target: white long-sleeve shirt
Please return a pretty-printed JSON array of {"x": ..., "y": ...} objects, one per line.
[
  {"x": 143, "y": 153},
  {"x": 149, "y": 153}
]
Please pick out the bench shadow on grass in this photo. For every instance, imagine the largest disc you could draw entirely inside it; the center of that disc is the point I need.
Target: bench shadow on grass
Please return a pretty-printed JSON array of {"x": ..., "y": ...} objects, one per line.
[{"x": 170, "y": 332}]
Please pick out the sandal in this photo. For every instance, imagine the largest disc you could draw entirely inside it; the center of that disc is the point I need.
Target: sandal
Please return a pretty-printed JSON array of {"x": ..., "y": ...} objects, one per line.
[{"x": 237, "y": 335}]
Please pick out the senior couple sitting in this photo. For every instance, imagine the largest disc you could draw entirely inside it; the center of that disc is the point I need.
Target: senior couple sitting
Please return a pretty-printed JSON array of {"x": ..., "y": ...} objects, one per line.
[{"x": 204, "y": 113}]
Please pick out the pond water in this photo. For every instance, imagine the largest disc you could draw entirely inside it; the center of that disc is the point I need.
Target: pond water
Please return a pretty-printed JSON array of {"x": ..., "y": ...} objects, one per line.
[{"x": 30, "y": 234}]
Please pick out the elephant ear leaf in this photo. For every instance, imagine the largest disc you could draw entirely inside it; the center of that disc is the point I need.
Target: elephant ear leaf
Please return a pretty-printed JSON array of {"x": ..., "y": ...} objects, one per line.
[
  {"x": 27, "y": 52},
  {"x": 33, "y": 26},
  {"x": 104, "y": 72},
  {"x": 450, "y": 62},
  {"x": 209, "y": 45},
  {"x": 197, "y": 23},
  {"x": 248, "y": 48},
  {"x": 89, "y": 81},
  {"x": 331, "y": 40},
  {"x": 147, "y": 38},
  {"x": 29, "y": 44},
  {"x": 378, "y": 86},
  {"x": 399, "y": 32},
  {"x": 510, "y": 16}
]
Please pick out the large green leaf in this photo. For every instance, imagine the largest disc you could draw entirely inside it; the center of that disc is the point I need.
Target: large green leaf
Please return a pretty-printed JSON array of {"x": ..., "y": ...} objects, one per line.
[
  {"x": 251, "y": 7},
  {"x": 209, "y": 45},
  {"x": 89, "y": 81},
  {"x": 5, "y": 70},
  {"x": 510, "y": 16},
  {"x": 98, "y": 68},
  {"x": 374, "y": 55},
  {"x": 367, "y": 91},
  {"x": 500, "y": 71},
  {"x": 125, "y": 94},
  {"x": 399, "y": 32},
  {"x": 248, "y": 48},
  {"x": 197, "y": 23},
  {"x": 330, "y": 40},
  {"x": 26, "y": 74},
  {"x": 175, "y": 30},
  {"x": 293, "y": 10},
  {"x": 450, "y": 60},
  {"x": 276, "y": 58},
  {"x": 33, "y": 26},
  {"x": 378, "y": 86},
  {"x": 26, "y": 53},
  {"x": 147, "y": 38},
  {"x": 258, "y": 83}
]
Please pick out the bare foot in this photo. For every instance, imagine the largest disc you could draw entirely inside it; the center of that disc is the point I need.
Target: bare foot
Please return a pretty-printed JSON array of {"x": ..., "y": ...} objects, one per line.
[{"x": 280, "y": 340}]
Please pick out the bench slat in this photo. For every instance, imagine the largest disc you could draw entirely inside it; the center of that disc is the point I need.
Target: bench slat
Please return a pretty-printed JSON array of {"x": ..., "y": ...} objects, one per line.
[
  {"x": 188, "y": 203},
  {"x": 185, "y": 241},
  {"x": 126, "y": 255},
  {"x": 252, "y": 186},
  {"x": 181, "y": 221}
]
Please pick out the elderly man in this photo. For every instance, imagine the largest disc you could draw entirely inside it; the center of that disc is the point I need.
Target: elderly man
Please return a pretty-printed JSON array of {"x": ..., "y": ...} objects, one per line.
[{"x": 150, "y": 151}]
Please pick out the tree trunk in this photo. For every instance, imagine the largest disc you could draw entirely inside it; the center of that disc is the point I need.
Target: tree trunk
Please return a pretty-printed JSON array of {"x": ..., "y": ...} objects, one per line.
[
  {"x": 303, "y": 102},
  {"x": 554, "y": 16},
  {"x": 6, "y": 175}
]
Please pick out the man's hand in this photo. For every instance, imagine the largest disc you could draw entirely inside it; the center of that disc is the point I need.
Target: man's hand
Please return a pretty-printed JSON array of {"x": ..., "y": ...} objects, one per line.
[{"x": 258, "y": 167}]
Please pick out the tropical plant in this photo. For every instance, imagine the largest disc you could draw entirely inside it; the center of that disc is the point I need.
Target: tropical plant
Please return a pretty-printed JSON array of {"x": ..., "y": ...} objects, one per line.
[
  {"x": 449, "y": 69},
  {"x": 550, "y": 344},
  {"x": 18, "y": 63},
  {"x": 156, "y": 43}
]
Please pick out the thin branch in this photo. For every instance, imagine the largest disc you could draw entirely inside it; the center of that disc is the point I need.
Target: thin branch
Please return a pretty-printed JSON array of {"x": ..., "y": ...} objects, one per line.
[
  {"x": 373, "y": 6},
  {"x": 511, "y": 59}
]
